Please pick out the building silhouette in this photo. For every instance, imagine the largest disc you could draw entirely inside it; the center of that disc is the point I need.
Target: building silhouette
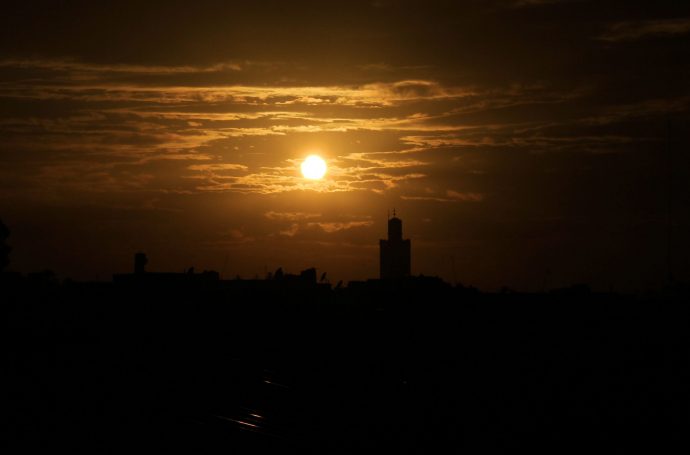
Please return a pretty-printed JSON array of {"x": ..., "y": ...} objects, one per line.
[{"x": 395, "y": 252}]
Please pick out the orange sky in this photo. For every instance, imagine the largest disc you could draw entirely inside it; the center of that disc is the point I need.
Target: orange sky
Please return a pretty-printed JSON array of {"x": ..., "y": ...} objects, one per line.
[{"x": 522, "y": 142}]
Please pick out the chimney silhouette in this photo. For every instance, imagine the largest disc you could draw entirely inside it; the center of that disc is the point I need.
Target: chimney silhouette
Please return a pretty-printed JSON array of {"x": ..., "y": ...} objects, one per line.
[{"x": 394, "y": 252}]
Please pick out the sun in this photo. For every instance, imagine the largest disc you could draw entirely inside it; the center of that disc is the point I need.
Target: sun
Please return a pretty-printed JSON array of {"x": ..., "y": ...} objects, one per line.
[{"x": 313, "y": 167}]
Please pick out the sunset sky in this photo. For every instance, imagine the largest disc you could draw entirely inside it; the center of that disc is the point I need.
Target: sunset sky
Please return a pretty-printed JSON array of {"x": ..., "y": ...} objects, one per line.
[{"x": 523, "y": 142}]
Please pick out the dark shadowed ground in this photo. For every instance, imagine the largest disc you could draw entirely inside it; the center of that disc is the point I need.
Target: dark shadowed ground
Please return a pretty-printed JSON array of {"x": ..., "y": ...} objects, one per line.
[{"x": 424, "y": 369}]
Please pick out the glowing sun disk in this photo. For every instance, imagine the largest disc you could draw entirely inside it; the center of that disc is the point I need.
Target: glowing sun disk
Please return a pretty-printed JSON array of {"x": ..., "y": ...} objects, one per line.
[{"x": 313, "y": 167}]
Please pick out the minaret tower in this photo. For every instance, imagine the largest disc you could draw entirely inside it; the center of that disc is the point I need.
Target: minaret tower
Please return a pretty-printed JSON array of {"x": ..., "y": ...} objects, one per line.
[{"x": 395, "y": 252}]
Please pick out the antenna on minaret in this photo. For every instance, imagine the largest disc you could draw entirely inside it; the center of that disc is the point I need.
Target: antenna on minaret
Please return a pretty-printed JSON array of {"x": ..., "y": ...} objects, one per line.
[{"x": 394, "y": 213}]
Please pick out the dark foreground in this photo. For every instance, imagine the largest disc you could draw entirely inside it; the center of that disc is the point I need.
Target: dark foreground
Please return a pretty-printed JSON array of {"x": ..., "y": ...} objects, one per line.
[{"x": 107, "y": 369}]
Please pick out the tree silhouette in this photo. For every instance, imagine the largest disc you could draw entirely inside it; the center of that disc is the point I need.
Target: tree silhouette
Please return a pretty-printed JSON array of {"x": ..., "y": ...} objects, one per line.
[{"x": 278, "y": 275}]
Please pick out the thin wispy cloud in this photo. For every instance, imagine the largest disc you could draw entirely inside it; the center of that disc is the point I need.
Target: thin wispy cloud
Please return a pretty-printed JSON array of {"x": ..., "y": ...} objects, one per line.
[
  {"x": 294, "y": 223},
  {"x": 532, "y": 3},
  {"x": 637, "y": 30},
  {"x": 72, "y": 66},
  {"x": 449, "y": 196},
  {"x": 290, "y": 216}
]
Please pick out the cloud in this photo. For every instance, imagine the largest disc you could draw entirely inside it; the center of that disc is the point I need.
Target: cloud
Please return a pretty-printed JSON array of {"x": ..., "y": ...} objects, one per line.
[
  {"x": 331, "y": 227},
  {"x": 73, "y": 66},
  {"x": 217, "y": 167},
  {"x": 231, "y": 238},
  {"x": 467, "y": 196},
  {"x": 636, "y": 30},
  {"x": 520, "y": 4},
  {"x": 528, "y": 3},
  {"x": 358, "y": 172},
  {"x": 450, "y": 196},
  {"x": 419, "y": 89},
  {"x": 69, "y": 79},
  {"x": 291, "y": 231},
  {"x": 290, "y": 216},
  {"x": 304, "y": 221}
]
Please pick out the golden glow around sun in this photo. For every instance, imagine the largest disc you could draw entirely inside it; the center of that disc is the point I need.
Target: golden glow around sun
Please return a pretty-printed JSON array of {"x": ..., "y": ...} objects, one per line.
[{"x": 313, "y": 167}]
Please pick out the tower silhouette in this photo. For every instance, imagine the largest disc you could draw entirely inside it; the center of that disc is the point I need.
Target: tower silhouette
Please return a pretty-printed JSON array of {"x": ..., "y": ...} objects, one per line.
[{"x": 395, "y": 252}]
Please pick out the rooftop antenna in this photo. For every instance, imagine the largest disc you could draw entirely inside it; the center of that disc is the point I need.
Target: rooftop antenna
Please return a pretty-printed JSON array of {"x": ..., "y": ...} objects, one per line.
[{"x": 393, "y": 212}]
